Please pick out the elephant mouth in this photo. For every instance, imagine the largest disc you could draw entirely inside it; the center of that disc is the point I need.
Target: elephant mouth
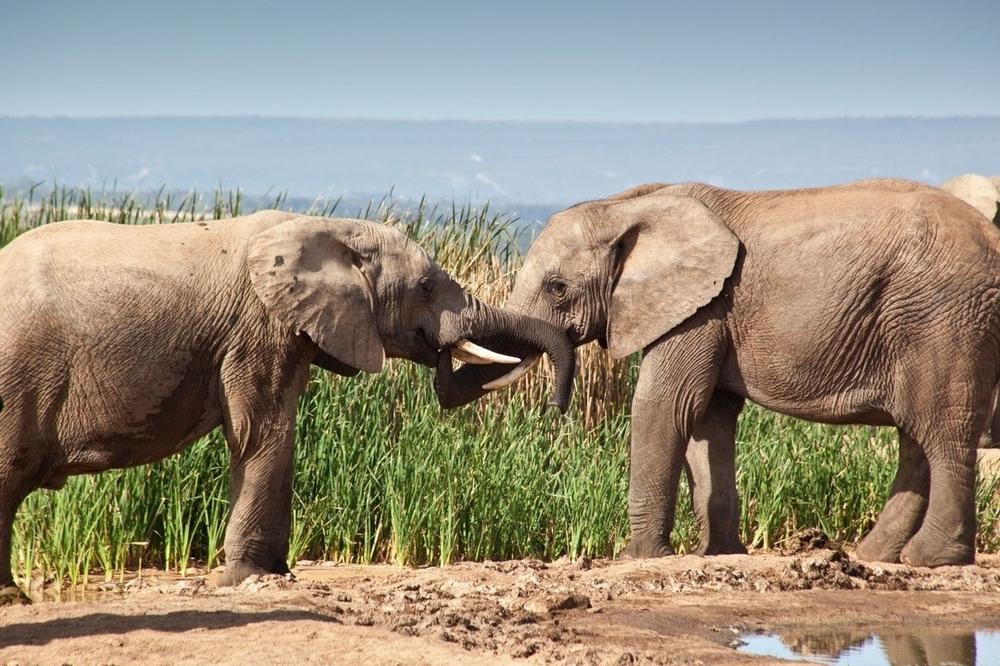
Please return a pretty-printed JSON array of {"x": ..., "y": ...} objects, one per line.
[
  {"x": 413, "y": 345},
  {"x": 463, "y": 350}
]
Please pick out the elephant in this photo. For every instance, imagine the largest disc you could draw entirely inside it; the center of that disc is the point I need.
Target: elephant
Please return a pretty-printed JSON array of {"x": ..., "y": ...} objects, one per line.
[
  {"x": 980, "y": 192},
  {"x": 874, "y": 302},
  {"x": 122, "y": 344}
]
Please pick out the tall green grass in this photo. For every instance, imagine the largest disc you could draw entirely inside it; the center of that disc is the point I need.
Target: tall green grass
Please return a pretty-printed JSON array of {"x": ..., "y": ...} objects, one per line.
[{"x": 381, "y": 474}]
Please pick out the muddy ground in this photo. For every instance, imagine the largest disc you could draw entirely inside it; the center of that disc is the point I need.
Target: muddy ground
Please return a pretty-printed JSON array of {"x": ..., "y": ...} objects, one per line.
[{"x": 677, "y": 610}]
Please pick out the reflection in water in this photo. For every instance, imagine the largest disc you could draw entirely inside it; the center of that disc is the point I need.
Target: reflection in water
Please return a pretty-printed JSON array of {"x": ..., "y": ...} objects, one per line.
[{"x": 915, "y": 647}]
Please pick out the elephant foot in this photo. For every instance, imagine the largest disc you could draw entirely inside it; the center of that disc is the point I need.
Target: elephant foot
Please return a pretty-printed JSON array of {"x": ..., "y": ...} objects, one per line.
[
  {"x": 645, "y": 548},
  {"x": 237, "y": 572},
  {"x": 881, "y": 547},
  {"x": 11, "y": 595},
  {"x": 729, "y": 546},
  {"x": 929, "y": 550}
]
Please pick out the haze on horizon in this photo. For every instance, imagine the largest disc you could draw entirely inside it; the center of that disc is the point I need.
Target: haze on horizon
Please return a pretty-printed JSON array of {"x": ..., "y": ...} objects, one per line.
[
  {"x": 641, "y": 61},
  {"x": 202, "y": 95}
]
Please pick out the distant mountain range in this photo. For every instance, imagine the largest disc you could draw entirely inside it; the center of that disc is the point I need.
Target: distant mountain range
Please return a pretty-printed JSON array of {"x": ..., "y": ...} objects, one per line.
[{"x": 531, "y": 166}]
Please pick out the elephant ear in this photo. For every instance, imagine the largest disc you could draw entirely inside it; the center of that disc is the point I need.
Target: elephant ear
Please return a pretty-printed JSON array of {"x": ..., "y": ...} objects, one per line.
[
  {"x": 674, "y": 255},
  {"x": 310, "y": 278}
]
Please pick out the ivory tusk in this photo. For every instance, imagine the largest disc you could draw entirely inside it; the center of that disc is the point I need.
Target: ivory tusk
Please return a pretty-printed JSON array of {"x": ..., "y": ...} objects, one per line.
[
  {"x": 521, "y": 370},
  {"x": 469, "y": 352}
]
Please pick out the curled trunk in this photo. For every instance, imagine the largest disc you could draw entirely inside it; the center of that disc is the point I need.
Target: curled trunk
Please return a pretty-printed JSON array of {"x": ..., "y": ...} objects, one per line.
[{"x": 508, "y": 333}]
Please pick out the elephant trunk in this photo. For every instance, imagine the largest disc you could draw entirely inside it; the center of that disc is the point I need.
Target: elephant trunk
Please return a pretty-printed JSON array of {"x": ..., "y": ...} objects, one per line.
[{"x": 509, "y": 333}]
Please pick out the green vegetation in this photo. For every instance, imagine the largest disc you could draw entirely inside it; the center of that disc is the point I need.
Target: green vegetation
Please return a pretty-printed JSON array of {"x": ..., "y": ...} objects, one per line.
[{"x": 382, "y": 474}]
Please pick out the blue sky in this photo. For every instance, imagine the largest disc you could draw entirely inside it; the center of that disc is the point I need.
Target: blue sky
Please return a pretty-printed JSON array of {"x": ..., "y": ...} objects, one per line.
[{"x": 616, "y": 61}]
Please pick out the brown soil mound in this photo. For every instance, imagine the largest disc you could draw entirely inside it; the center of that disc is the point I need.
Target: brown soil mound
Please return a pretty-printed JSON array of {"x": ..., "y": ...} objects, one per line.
[{"x": 682, "y": 610}]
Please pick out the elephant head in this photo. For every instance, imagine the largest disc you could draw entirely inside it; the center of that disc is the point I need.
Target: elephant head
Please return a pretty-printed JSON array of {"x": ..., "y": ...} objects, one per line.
[
  {"x": 623, "y": 271},
  {"x": 363, "y": 291}
]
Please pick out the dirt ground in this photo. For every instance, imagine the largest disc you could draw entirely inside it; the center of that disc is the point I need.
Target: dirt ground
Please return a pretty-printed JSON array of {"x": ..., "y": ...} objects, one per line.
[{"x": 676, "y": 610}]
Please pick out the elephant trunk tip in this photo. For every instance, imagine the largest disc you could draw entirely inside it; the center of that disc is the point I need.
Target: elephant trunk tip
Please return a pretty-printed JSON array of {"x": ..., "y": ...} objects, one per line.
[{"x": 562, "y": 392}]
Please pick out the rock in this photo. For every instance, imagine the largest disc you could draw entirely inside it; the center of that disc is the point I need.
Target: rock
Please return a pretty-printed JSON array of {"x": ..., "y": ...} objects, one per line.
[
  {"x": 525, "y": 651},
  {"x": 258, "y": 582},
  {"x": 11, "y": 595},
  {"x": 545, "y": 604},
  {"x": 806, "y": 540}
]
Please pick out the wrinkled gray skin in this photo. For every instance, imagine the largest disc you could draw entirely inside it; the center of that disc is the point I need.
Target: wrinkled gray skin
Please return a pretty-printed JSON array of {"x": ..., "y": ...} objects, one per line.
[
  {"x": 120, "y": 345},
  {"x": 876, "y": 302},
  {"x": 983, "y": 194}
]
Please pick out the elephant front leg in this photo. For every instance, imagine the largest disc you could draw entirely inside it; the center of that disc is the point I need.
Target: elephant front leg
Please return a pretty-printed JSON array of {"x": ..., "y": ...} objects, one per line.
[
  {"x": 655, "y": 463},
  {"x": 676, "y": 383},
  {"x": 256, "y": 539},
  {"x": 10, "y": 593},
  {"x": 711, "y": 468},
  {"x": 13, "y": 489}
]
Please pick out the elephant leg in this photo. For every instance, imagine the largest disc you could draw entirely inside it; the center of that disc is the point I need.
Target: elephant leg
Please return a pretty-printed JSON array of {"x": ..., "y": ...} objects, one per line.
[
  {"x": 904, "y": 511},
  {"x": 655, "y": 463},
  {"x": 676, "y": 382},
  {"x": 10, "y": 498},
  {"x": 260, "y": 432},
  {"x": 19, "y": 467},
  {"x": 948, "y": 532},
  {"x": 711, "y": 469},
  {"x": 260, "y": 497}
]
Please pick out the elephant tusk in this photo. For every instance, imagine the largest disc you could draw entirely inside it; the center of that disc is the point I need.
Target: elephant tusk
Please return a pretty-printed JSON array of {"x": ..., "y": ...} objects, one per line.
[
  {"x": 522, "y": 369},
  {"x": 469, "y": 352}
]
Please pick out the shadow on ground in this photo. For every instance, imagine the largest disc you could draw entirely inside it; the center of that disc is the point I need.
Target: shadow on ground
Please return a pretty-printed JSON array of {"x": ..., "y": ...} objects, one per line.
[{"x": 93, "y": 624}]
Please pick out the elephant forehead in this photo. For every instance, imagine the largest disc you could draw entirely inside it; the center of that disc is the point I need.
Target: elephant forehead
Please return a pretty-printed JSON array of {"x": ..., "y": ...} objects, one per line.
[
  {"x": 400, "y": 255},
  {"x": 564, "y": 234},
  {"x": 410, "y": 259},
  {"x": 570, "y": 243},
  {"x": 566, "y": 264}
]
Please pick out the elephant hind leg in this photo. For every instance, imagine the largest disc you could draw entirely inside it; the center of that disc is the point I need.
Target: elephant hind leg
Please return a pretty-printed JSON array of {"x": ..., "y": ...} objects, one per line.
[
  {"x": 904, "y": 511},
  {"x": 711, "y": 472},
  {"x": 947, "y": 534},
  {"x": 946, "y": 409}
]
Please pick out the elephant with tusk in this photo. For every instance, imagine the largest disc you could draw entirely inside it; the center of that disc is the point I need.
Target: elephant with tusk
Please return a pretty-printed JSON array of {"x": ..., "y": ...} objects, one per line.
[
  {"x": 120, "y": 345},
  {"x": 875, "y": 302}
]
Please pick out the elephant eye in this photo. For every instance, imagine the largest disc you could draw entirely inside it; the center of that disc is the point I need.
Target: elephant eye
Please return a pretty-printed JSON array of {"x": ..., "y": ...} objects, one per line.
[
  {"x": 556, "y": 287},
  {"x": 426, "y": 285}
]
